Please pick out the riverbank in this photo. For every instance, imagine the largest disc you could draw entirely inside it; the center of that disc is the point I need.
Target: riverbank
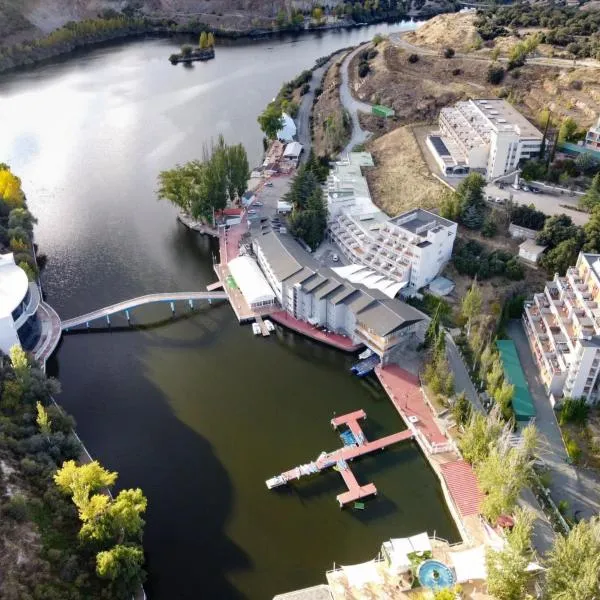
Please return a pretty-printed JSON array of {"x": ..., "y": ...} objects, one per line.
[{"x": 95, "y": 32}]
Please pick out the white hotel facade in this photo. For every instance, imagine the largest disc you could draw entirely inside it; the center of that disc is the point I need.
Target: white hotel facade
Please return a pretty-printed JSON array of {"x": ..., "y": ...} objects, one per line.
[
  {"x": 563, "y": 327},
  {"x": 407, "y": 251},
  {"x": 487, "y": 135}
]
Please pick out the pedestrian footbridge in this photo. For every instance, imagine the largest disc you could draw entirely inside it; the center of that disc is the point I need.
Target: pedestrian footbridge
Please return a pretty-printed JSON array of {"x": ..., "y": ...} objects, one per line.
[{"x": 127, "y": 305}]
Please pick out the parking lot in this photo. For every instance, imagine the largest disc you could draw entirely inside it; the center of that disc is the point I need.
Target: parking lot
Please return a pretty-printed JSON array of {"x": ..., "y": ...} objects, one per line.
[{"x": 548, "y": 201}]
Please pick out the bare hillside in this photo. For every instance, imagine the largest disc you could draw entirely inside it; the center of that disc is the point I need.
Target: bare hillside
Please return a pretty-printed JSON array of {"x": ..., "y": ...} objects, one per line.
[{"x": 452, "y": 30}]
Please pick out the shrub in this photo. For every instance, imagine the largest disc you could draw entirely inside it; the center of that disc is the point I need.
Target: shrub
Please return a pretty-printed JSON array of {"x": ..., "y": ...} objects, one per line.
[
  {"x": 413, "y": 58},
  {"x": 363, "y": 69},
  {"x": 15, "y": 509},
  {"x": 377, "y": 39},
  {"x": 372, "y": 54},
  {"x": 573, "y": 450},
  {"x": 574, "y": 411},
  {"x": 305, "y": 89},
  {"x": 456, "y": 72},
  {"x": 495, "y": 74},
  {"x": 448, "y": 52}
]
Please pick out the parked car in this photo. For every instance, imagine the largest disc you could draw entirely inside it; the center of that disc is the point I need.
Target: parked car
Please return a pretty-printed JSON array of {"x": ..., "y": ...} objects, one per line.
[
  {"x": 257, "y": 204},
  {"x": 335, "y": 258},
  {"x": 535, "y": 190},
  {"x": 525, "y": 188},
  {"x": 269, "y": 184},
  {"x": 252, "y": 211}
]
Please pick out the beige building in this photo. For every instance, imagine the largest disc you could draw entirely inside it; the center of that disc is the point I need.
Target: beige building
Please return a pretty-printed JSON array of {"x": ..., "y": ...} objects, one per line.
[{"x": 563, "y": 328}]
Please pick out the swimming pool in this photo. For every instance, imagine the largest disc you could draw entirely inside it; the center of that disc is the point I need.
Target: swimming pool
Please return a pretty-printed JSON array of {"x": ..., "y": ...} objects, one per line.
[{"x": 434, "y": 574}]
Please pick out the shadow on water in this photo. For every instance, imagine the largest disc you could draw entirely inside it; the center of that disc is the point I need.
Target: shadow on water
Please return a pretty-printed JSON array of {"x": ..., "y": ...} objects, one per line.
[{"x": 153, "y": 449}]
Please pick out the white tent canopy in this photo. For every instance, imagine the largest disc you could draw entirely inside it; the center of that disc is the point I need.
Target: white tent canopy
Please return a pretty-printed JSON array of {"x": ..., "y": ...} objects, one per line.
[
  {"x": 252, "y": 283},
  {"x": 398, "y": 549},
  {"x": 371, "y": 279},
  {"x": 293, "y": 150},
  {"x": 360, "y": 575},
  {"x": 469, "y": 564},
  {"x": 288, "y": 131}
]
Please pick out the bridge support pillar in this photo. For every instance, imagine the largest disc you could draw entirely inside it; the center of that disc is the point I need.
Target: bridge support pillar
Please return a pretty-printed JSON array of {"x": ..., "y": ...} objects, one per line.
[
  {"x": 108, "y": 319},
  {"x": 87, "y": 324},
  {"x": 210, "y": 300},
  {"x": 128, "y": 316},
  {"x": 173, "y": 307},
  {"x": 191, "y": 303}
]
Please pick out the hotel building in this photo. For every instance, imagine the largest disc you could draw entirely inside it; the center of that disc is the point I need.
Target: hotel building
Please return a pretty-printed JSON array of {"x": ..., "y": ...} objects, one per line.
[
  {"x": 563, "y": 327},
  {"x": 321, "y": 297},
  {"x": 488, "y": 136},
  {"x": 592, "y": 138},
  {"x": 408, "y": 251}
]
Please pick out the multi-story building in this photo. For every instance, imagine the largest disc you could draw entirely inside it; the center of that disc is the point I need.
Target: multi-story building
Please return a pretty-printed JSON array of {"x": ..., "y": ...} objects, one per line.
[
  {"x": 19, "y": 301},
  {"x": 409, "y": 250},
  {"x": 563, "y": 328},
  {"x": 592, "y": 139},
  {"x": 489, "y": 136},
  {"x": 320, "y": 296}
]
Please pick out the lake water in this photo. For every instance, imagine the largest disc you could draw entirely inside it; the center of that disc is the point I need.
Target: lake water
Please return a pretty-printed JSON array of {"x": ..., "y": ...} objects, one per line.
[{"x": 195, "y": 411}]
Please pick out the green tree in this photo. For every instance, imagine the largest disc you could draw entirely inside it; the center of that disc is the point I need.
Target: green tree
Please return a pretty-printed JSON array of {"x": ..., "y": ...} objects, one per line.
[
  {"x": 495, "y": 376},
  {"x": 90, "y": 476},
  {"x": 317, "y": 15},
  {"x": 461, "y": 410},
  {"x": 22, "y": 218},
  {"x": 471, "y": 305},
  {"x": 591, "y": 198},
  {"x": 559, "y": 259},
  {"x": 186, "y": 50},
  {"x": 238, "y": 171},
  {"x": 271, "y": 120},
  {"x": 43, "y": 420},
  {"x": 122, "y": 565},
  {"x": 567, "y": 131},
  {"x": 12, "y": 395},
  {"x": 480, "y": 434},
  {"x": 210, "y": 39},
  {"x": 507, "y": 575},
  {"x": 573, "y": 563}
]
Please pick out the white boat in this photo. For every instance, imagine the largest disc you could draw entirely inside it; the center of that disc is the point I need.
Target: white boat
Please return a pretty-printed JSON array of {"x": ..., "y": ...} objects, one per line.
[
  {"x": 269, "y": 325},
  {"x": 276, "y": 481},
  {"x": 255, "y": 328},
  {"x": 366, "y": 354}
]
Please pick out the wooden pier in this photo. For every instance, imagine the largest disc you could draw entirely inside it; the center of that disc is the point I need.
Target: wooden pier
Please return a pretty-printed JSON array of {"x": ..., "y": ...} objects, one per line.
[{"x": 338, "y": 459}]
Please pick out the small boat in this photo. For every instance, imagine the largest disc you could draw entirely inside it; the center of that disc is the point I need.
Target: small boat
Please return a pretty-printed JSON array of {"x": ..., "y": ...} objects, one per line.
[
  {"x": 359, "y": 505},
  {"x": 269, "y": 325},
  {"x": 366, "y": 354},
  {"x": 276, "y": 481},
  {"x": 255, "y": 328}
]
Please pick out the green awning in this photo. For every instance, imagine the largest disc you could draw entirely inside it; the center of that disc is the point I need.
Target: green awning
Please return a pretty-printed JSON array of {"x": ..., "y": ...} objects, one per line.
[{"x": 522, "y": 402}]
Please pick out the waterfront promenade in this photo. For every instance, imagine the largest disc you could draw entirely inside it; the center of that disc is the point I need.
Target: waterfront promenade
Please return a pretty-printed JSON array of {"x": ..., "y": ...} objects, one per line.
[{"x": 457, "y": 479}]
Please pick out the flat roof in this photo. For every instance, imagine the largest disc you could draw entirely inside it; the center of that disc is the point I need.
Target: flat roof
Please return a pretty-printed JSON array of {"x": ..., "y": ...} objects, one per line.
[
  {"x": 504, "y": 115},
  {"x": 522, "y": 402},
  {"x": 13, "y": 285},
  {"x": 415, "y": 220}
]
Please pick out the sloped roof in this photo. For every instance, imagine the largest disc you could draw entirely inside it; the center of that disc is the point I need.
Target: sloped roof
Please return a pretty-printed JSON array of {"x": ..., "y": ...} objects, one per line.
[{"x": 463, "y": 487}]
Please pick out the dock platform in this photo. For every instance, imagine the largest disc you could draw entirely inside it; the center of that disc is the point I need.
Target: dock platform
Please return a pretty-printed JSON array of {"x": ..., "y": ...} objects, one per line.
[
  {"x": 340, "y": 457},
  {"x": 364, "y": 367},
  {"x": 263, "y": 327}
]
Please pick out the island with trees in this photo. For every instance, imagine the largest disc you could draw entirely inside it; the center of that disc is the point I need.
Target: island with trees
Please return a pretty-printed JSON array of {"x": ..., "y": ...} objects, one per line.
[{"x": 204, "y": 51}]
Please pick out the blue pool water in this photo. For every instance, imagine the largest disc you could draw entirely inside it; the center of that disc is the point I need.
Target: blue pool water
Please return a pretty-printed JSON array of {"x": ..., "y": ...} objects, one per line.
[{"x": 434, "y": 574}]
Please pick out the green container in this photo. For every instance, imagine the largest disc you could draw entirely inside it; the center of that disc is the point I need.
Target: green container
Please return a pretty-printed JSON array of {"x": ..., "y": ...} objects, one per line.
[{"x": 382, "y": 111}]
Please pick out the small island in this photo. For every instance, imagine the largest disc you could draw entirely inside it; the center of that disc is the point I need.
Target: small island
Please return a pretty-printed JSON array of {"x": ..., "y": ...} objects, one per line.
[{"x": 204, "y": 51}]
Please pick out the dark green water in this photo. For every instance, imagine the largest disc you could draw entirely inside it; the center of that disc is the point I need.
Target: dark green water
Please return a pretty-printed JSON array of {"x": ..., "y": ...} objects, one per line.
[{"x": 197, "y": 411}]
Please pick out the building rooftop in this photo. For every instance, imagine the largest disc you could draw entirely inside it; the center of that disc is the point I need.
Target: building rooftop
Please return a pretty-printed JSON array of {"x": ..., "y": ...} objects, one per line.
[
  {"x": 419, "y": 221},
  {"x": 13, "y": 285},
  {"x": 503, "y": 116}
]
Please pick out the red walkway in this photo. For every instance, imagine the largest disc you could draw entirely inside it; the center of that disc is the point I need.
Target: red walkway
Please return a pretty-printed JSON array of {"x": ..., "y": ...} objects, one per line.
[
  {"x": 355, "y": 491},
  {"x": 463, "y": 487},
  {"x": 333, "y": 339},
  {"x": 347, "y": 419}
]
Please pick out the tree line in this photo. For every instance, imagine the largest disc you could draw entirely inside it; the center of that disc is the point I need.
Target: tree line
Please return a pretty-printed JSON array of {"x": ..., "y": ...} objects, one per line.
[
  {"x": 16, "y": 222},
  {"x": 62, "y": 537},
  {"x": 201, "y": 187}
]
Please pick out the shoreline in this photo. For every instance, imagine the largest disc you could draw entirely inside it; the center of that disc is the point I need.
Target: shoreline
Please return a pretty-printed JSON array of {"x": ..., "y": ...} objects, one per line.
[{"x": 38, "y": 51}]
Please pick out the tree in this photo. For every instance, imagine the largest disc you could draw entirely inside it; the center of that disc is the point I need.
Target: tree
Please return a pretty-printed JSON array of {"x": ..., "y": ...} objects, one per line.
[
  {"x": 470, "y": 200},
  {"x": 122, "y": 564},
  {"x": 317, "y": 15},
  {"x": 591, "y": 198},
  {"x": 271, "y": 120},
  {"x": 186, "y": 50},
  {"x": 557, "y": 229},
  {"x": 19, "y": 362},
  {"x": 21, "y": 218},
  {"x": 559, "y": 259},
  {"x": 432, "y": 329},
  {"x": 495, "y": 376},
  {"x": 592, "y": 232},
  {"x": 567, "y": 131},
  {"x": 91, "y": 477},
  {"x": 43, "y": 420},
  {"x": 210, "y": 39},
  {"x": 480, "y": 433},
  {"x": 495, "y": 74},
  {"x": 448, "y": 52},
  {"x": 12, "y": 395},
  {"x": 461, "y": 410},
  {"x": 507, "y": 574},
  {"x": 573, "y": 563},
  {"x": 471, "y": 305},
  {"x": 203, "y": 42}
]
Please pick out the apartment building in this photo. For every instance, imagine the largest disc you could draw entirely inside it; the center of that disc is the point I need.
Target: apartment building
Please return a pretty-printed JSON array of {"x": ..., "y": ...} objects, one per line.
[
  {"x": 408, "y": 250},
  {"x": 319, "y": 296},
  {"x": 563, "y": 327},
  {"x": 489, "y": 136},
  {"x": 592, "y": 139}
]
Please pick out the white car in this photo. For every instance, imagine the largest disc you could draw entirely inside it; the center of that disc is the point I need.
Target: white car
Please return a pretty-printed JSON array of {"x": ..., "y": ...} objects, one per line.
[{"x": 335, "y": 258}]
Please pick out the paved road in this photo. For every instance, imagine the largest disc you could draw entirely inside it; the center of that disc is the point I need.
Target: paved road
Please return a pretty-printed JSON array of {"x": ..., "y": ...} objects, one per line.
[
  {"x": 579, "y": 487},
  {"x": 547, "y": 203},
  {"x": 398, "y": 40},
  {"x": 462, "y": 379},
  {"x": 352, "y": 105}
]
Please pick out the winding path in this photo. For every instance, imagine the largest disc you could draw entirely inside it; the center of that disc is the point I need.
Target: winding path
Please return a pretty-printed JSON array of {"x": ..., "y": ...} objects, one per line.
[{"x": 352, "y": 105}]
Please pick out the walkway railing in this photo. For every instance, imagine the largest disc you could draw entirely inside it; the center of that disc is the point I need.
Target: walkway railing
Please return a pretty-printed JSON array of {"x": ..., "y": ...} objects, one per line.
[{"x": 127, "y": 305}]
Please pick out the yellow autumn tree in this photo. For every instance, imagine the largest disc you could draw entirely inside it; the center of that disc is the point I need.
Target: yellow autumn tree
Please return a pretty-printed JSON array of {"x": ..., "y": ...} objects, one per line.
[{"x": 10, "y": 190}]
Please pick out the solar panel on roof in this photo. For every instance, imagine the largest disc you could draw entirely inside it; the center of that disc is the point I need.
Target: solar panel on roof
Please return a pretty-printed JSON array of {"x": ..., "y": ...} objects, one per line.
[{"x": 439, "y": 146}]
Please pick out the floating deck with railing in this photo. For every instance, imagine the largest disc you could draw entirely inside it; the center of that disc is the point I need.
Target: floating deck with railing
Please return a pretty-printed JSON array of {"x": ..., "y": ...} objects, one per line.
[{"x": 338, "y": 459}]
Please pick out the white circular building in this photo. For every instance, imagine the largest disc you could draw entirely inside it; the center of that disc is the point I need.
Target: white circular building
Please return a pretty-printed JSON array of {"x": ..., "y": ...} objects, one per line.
[{"x": 19, "y": 301}]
